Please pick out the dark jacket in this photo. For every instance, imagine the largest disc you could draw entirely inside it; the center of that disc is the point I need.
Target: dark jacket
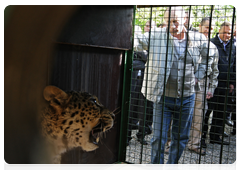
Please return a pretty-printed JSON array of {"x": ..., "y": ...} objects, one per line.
[
  {"x": 139, "y": 60},
  {"x": 223, "y": 62}
]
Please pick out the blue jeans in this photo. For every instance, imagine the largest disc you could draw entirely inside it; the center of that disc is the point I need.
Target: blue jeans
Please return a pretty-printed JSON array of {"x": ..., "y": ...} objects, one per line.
[{"x": 179, "y": 136}]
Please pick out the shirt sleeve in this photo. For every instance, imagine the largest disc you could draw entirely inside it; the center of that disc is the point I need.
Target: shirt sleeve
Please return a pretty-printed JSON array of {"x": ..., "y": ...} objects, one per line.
[
  {"x": 140, "y": 42},
  {"x": 213, "y": 81},
  {"x": 207, "y": 52}
]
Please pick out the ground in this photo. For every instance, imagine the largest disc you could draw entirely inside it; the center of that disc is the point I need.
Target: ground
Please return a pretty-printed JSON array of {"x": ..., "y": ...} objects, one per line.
[{"x": 137, "y": 153}]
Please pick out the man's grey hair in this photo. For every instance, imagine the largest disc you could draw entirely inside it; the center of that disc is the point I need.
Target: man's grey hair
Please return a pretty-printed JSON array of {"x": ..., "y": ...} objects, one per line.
[
  {"x": 204, "y": 20},
  {"x": 228, "y": 24},
  {"x": 174, "y": 9}
]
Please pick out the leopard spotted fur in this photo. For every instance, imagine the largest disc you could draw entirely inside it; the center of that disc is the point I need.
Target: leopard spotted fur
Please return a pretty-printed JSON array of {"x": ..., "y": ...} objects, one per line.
[{"x": 71, "y": 120}]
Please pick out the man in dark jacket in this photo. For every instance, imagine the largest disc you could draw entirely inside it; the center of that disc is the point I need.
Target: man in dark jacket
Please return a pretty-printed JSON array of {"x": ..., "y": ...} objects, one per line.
[
  {"x": 137, "y": 118},
  {"x": 137, "y": 109},
  {"x": 226, "y": 85}
]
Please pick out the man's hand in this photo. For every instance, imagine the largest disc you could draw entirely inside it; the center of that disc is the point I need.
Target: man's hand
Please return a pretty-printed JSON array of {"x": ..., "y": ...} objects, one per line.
[
  {"x": 209, "y": 95},
  {"x": 196, "y": 80},
  {"x": 231, "y": 88}
]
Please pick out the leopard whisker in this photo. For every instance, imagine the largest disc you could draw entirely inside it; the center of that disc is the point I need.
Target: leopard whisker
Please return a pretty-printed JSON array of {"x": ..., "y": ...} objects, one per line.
[
  {"x": 116, "y": 110},
  {"x": 108, "y": 148}
]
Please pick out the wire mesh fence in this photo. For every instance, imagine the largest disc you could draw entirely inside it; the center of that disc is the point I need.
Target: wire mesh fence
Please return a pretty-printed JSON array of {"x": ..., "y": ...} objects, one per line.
[{"x": 183, "y": 85}]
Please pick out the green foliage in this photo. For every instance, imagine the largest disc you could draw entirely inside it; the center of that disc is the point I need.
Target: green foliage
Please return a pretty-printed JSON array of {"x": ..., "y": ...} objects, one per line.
[
  {"x": 220, "y": 14},
  {"x": 144, "y": 14}
]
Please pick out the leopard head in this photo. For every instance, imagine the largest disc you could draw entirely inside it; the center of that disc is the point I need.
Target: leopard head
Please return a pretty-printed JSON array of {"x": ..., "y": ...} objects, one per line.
[{"x": 75, "y": 119}]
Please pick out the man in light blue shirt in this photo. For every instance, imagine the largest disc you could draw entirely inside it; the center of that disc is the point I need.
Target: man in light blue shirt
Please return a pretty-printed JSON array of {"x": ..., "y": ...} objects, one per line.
[{"x": 177, "y": 61}]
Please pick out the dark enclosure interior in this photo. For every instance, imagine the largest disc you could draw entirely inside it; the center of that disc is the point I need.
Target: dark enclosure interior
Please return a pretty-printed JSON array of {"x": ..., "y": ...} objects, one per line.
[
  {"x": 105, "y": 26},
  {"x": 89, "y": 57}
]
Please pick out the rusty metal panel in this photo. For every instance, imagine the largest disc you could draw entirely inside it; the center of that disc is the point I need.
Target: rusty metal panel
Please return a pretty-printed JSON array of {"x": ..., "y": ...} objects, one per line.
[
  {"x": 89, "y": 55},
  {"x": 94, "y": 70},
  {"x": 97, "y": 71}
]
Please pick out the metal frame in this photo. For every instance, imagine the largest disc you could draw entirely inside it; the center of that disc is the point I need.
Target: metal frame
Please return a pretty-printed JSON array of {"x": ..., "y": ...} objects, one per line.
[{"x": 126, "y": 98}]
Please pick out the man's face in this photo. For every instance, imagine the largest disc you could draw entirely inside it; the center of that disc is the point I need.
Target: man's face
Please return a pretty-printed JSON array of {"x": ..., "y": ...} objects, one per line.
[
  {"x": 177, "y": 22},
  {"x": 225, "y": 33},
  {"x": 204, "y": 29},
  {"x": 147, "y": 26},
  {"x": 186, "y": 20}
]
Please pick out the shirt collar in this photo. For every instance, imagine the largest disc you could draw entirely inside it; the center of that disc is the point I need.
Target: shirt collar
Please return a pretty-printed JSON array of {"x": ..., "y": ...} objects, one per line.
[
  {"x": 175, "y": 39},
  {"x": 221, "y": 41}
]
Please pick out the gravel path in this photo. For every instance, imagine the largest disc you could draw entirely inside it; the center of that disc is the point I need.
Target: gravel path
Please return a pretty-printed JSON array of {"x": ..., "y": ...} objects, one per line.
[{"x": 136, "y": 153}]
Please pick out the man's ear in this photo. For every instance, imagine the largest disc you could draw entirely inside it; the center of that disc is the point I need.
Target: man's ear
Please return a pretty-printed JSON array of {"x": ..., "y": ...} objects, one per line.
[{"x": 219, "y": 31}]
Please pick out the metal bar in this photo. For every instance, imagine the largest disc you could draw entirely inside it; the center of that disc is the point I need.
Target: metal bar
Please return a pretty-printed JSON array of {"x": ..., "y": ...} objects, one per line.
[
  {"x": 140, "y": 149},
  {"x": 145, "y": 104},
  {"x": 124, "y": 110},
  {"x": 126, "y": 97},
  {"x": 164, "y": 85},
  {"x": 226, "y": 94},
  {"x": 95, "y": 46},
  {"x": 184, "y": 71},
  {"x": 204, "y": 101}
]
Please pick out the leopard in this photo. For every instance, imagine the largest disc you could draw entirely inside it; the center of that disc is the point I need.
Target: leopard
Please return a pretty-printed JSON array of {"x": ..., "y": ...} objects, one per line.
[{"x": 73, "y": 119}]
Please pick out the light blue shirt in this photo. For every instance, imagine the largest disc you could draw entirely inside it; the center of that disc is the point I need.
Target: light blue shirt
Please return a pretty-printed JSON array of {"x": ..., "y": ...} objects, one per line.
[
  {"x": 180, "y": 45},
  {"x": 224, "y": 44}
]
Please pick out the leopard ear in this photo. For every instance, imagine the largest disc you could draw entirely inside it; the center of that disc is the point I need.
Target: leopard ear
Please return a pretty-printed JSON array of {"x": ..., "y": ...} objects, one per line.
[{"x": 52, "y": 93}]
